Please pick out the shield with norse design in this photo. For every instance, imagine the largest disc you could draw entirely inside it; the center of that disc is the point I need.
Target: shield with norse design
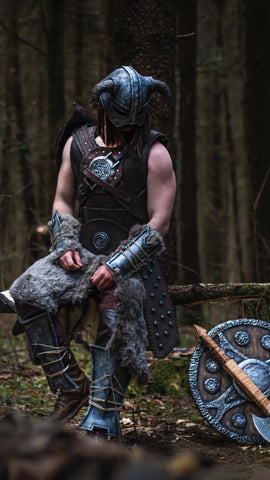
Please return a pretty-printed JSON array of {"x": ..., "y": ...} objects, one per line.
[{"x": 221, "y": 401}]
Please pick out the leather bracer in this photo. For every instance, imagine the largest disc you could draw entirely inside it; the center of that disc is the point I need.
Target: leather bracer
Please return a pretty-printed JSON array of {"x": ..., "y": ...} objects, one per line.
[
  {"x": 131, "y": 257},
  {"x": 65, "y": 231}
]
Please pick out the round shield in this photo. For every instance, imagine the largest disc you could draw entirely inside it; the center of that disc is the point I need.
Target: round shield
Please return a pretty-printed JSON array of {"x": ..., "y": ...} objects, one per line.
[{"x": 221, "y": 401}]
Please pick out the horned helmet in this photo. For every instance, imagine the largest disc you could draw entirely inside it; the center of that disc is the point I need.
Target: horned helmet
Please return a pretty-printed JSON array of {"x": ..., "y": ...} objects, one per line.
[{"x": 125, "y": 95}]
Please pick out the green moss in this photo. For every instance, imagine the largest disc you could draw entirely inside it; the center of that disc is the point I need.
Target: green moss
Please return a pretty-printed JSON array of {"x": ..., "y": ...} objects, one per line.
[{"x": 170, "y": 377}]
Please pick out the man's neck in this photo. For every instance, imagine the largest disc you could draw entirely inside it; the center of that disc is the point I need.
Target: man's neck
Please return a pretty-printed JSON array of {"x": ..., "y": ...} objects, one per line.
[{"x": 100, "y": 142}]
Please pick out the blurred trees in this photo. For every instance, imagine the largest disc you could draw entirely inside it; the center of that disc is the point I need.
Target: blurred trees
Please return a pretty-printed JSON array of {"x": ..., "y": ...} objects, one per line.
[{"x": 214, "y": 56}]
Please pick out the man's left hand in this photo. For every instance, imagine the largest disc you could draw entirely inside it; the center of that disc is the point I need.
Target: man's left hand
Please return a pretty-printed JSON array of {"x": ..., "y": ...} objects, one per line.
[{"x": 102, "y": 278}]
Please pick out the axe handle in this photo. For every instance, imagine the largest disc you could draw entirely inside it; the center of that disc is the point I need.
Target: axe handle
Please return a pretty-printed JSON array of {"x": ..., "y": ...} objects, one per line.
[{"x": 247, "y": 385}]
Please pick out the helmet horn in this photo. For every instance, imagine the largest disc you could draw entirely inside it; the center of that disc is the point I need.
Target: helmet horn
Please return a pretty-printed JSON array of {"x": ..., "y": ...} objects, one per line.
[
  {"x": 162, "y": 88},
  {"x": 101, "y": 87}
]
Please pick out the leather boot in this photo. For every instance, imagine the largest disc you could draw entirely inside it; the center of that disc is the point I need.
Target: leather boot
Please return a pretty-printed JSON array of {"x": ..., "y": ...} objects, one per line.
[
  {"x": 68, "y": 404},
  {"x": 108, "y": 388}
]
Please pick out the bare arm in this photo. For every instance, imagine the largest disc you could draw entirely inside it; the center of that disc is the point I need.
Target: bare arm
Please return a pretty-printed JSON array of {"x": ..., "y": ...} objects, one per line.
[
  {"x": 64, "y": 203},
  {"x": 65, "y": 190},
  {"x": 161, "y": 187}
]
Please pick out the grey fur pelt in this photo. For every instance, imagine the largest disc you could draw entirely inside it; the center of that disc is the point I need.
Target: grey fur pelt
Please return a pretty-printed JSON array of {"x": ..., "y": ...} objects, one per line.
[
  {"x": 48, "y": 286},
  {"x": 129, "y": 340}
]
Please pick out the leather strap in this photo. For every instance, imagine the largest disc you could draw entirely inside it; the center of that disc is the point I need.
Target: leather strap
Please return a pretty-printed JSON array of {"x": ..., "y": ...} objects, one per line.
[{"x": 129, "y": 199}]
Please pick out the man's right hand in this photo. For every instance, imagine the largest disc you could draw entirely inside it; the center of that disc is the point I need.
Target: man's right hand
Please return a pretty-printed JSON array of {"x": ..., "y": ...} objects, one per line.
[{"x": 71, "y": 260}]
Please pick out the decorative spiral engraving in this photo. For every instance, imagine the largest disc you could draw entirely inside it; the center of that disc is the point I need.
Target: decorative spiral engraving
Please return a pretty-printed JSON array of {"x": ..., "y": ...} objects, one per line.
[{"x": 101, "y": 241}]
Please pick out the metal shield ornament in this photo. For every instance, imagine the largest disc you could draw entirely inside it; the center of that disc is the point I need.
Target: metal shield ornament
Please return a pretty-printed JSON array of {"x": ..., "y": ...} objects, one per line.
[{"x": 224, "y": 405}]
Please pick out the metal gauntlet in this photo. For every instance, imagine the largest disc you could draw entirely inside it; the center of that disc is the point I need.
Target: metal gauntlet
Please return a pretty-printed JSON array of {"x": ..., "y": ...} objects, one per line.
[
  {"x": 64, "y": 231},
  {"x": 130, "y": 258}
]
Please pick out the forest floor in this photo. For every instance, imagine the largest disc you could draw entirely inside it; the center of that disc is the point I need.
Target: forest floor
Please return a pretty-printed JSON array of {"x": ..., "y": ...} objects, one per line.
[{"x": 160, "y": 418}]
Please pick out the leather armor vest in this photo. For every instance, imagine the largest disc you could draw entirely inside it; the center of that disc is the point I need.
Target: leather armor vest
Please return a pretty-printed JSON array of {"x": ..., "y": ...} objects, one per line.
[{"x": 117, "y": 200}]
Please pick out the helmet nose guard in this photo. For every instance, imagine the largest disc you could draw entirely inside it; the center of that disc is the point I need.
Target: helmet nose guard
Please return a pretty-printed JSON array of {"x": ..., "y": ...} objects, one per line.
[{"x": 125, "y": 95}]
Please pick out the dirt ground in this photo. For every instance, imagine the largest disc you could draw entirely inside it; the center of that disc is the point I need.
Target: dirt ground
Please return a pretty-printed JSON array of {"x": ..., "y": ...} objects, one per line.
[
  {"x": 173, "y": 437},
  {"x": 159, "y": 422}
]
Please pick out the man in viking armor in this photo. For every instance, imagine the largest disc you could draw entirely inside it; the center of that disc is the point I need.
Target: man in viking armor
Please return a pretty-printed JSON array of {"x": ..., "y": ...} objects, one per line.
[{"x": 120, "y": 175}]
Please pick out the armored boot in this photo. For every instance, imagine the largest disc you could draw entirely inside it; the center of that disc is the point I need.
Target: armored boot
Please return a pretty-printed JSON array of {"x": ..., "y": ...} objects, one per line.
[
  {"x": 45, "y": 351},
  {"x": 62, "y": 371},
  {"x": 108, "y": 388}
]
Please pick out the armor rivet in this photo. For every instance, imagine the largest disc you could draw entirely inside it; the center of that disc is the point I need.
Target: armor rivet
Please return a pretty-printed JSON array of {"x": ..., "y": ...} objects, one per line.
[
  {"x": 166, "y": 332},
  {"x": 162, "y": 317},
  {"x": 169, "y": 312},
  {"x": 152, "y": 295},
  {"x": 156, "y": 323},
  {"x": 161, "y": 303},
  {"x": 163, "y": 294},
  {"x": 153, "y": 310},
  {"x": 158, "y": 277},
  {"x": 170, "y": 324},
  {"x": 152, "y": 262},
  {"x": 160, "y": 345},
  {"x": 157, "y": 335},
  {"x": 150, "y": 270},
  {"x": 145, "y": 277},
  {"x": 155, "y": 285}
]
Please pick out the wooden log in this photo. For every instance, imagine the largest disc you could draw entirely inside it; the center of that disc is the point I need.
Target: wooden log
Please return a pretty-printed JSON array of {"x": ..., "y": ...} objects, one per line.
[{"x": 189, "y": 295}]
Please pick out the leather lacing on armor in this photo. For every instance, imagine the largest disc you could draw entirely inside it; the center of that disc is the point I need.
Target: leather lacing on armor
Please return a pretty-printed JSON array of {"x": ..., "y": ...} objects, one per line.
[
  {"x": 117, "y": 405},
  {"x": 54, "y": 350}
]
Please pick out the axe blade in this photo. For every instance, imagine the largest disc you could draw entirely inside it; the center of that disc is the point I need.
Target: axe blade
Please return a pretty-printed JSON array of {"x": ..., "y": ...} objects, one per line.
[{"x": 262, "y": 424}]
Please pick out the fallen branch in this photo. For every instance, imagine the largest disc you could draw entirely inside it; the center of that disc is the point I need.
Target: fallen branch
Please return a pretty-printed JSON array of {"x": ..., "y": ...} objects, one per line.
[{"x": 189, "y": 295}]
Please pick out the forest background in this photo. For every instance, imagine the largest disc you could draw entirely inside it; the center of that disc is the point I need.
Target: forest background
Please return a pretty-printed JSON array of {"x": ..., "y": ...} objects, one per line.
[{"x": 214, "y": 55}]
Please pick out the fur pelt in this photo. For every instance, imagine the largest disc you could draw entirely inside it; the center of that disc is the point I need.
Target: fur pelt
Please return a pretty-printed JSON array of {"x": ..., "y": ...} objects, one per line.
[
  {"x": 129, "y": 340},
  {"x": 48, "y": 286},
  {"x": 70, "y": 229}
]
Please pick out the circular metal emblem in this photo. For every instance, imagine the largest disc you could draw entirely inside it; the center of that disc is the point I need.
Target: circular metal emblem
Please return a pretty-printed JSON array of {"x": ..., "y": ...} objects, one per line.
[
  {"x": 101, "y": 241},
  {"x": 219, "y": 398},
  {"x": 102, "y": 167}
]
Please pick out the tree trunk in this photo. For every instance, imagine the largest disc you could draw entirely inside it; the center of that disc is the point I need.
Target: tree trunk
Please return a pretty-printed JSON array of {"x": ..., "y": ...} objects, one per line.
[
  {"x": 223, "y": 177},
  {"x": 21, "y": 132},
  {"x": 187, "y": 40},
  {"x": 56, "y": 84},
  {"x": 258, "y": 138}
]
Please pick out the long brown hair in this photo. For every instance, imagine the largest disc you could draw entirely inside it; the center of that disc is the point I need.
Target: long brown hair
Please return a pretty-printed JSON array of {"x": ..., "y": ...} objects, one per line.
[{"x": 132, "y": 140}]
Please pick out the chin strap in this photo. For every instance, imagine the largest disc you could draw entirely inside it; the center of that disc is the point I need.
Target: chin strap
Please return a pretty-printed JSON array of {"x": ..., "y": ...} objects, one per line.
[{"x": 133, "y": 256}]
